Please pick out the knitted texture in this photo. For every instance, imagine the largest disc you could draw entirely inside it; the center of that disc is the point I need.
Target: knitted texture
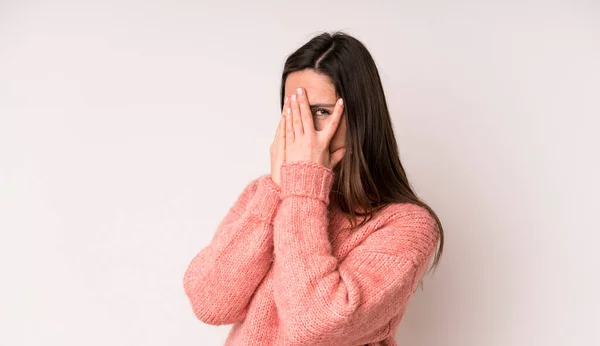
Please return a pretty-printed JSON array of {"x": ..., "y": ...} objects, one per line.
[{"x": 282, "y": 270}]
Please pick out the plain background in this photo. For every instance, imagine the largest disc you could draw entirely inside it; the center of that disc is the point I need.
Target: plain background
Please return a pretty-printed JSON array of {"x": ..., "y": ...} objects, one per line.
[{"x": 128, "y": 128}]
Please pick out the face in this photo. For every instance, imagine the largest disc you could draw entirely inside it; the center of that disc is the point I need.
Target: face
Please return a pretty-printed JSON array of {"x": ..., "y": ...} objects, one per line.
[{"x": 322, "y": 98}]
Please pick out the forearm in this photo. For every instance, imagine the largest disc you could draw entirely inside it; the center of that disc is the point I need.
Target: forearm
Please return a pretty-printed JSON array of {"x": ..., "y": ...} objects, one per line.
[
  {"x": 222, "y": 277},
  {"x": 325, "y": 301}
]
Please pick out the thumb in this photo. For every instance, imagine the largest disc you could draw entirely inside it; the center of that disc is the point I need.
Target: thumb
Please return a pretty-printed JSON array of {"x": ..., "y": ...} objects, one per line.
[{"x": 337, "y": 156}]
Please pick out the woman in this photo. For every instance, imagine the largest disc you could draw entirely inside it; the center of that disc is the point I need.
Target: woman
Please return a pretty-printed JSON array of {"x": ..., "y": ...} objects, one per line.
[{"x": 290, "y": 263}]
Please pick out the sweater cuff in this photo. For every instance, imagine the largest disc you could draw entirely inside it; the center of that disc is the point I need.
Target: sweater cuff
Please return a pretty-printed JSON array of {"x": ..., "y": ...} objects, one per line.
[
  {"x": 266, "y": 199},
  {"x": 306, "y": 178}
]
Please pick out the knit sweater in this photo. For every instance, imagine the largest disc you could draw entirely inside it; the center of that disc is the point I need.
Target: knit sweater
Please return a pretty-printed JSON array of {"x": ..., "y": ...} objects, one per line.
[{"x": 282, "y": 271}]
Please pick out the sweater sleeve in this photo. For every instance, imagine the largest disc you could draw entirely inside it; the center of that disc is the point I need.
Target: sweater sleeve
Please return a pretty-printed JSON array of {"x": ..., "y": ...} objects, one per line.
[
  {"x": 221, "y": 279},
  {"x": 354, "y": 300}
]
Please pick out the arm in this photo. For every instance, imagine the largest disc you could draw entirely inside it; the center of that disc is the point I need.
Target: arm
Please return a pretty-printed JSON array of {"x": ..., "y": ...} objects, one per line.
[
  {"x": 325, "y": 301},
  {"x": 221, "y": 279}
]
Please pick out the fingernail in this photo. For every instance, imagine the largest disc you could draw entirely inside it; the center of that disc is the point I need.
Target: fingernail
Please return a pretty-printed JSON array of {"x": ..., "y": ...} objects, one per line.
[
  {"x": 289, "y": 111},
  {"x": 299, "y": 91},
  {"x": 340, "y": 102},
  {"x": 294, "y": 97}
]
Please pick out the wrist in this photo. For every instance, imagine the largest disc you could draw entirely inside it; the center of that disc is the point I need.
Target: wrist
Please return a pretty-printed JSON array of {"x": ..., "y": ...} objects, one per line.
[
  {"x": 268, "y": 181},
  {"x": 267, "y": 198},
  {"x": 306, "y": 178}
]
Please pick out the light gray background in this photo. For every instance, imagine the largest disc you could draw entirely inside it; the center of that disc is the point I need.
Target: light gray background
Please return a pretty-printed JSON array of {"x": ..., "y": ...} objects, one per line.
[{"x": 128, "y": 128}]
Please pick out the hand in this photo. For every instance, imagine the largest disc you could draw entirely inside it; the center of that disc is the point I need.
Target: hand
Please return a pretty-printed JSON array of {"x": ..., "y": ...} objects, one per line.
[
  {"x": 302, "y": 141},
  {"x": 278, "y": 148}
]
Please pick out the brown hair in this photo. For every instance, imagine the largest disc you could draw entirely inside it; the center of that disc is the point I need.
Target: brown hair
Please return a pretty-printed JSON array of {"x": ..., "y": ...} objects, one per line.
[{"x": 371, "y": 176}]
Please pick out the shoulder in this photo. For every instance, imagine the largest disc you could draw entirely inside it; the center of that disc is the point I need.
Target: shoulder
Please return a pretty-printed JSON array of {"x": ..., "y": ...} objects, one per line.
[
  {"x": 406, "y": 212},
  {"x": 408, "y": 229}
]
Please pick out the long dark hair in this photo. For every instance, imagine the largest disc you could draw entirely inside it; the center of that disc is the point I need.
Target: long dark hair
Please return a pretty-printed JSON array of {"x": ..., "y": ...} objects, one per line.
[{"x": 371, "y": 176}]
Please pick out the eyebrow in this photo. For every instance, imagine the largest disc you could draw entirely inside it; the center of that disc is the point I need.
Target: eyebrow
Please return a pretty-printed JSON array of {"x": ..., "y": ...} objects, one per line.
[{"x": 322, "y": 105}]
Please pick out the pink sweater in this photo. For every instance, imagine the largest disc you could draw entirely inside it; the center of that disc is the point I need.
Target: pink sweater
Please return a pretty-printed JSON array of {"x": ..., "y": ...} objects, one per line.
[{"x": 280, "y": 269}]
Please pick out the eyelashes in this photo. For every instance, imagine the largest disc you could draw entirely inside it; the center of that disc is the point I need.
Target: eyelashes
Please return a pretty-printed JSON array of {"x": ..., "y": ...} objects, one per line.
[{"x": 324, "y": 110}]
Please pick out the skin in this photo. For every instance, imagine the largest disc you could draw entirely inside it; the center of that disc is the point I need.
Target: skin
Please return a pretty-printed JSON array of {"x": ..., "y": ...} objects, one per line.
[{"x": 312, "y": 125}]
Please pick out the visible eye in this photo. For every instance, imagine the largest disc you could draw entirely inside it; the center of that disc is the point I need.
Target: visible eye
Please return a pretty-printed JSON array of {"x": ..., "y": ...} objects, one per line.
[{"x": 321, "y": 111}]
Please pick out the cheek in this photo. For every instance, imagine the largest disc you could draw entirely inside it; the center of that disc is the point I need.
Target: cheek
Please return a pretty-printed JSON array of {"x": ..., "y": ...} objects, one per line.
[
  {"x": 319, "y": 123},
  {"x": 339, "y": 138}
]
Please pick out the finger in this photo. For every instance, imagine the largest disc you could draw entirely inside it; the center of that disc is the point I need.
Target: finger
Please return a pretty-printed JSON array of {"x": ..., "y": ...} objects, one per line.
[
  {"x": 285, "y": 104},
  {"x": 281, "y": 123},
  {"x": 281, "y": 132},
  {"x": 333, "y": 124},
  {"x": 280, "y": 128},
  {"x": 296, "y": 117},
  {"x": 281, "y": 143},
  {"x": 280, "y": 139},
  {"x": 305, "y": 113},
  {"x": 289, "y": 127}
]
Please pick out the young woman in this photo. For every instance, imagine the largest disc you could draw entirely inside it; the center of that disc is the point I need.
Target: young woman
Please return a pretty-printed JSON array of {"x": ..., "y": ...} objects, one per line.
[{"x": 328, "y": 248}]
